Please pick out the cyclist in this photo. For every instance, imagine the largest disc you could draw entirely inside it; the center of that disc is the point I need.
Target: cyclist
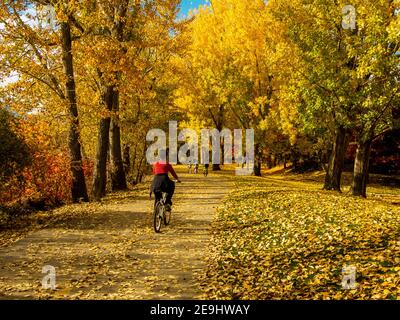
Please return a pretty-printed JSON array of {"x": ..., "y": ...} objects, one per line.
[
  {"x": 206, "y": 166},
  {"x": 190, "y": 166},
  {"x": 161, "y": 181}
]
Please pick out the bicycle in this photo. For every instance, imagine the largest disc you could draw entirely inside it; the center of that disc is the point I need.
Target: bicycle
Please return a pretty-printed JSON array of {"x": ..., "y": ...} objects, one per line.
[{"x": 160, "y": 214}]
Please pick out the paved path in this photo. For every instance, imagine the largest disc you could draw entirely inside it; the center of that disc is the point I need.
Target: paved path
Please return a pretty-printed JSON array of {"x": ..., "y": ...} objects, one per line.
[{"x": 111, "y": 251}]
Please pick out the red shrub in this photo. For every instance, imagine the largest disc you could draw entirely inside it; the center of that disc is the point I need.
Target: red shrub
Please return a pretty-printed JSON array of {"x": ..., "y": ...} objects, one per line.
[{"x": 49, "y": 178}]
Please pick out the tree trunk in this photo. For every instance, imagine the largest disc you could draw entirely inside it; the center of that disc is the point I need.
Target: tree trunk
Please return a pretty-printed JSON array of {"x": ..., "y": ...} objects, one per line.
[
  {"x": 111, "y": 100},
  {"x": 218, "y": 121},
  {"x": 269, "y": 161},
  {"x": 78, "y": 189},
  {"x": 118, "y": 178},
  {"x": 295, "y": 156},
  {"x": 336, "y": 161},
  {"x": 257, "y": 168},
  {"x": 139, "y": 171},
  {"x": 103, "y": 141},
  {"x": 127, "y": 159},
  {"x": 361, "y": 169},
  {"x": 257, "y": 160},
  {"x": 134, "y": 160}
]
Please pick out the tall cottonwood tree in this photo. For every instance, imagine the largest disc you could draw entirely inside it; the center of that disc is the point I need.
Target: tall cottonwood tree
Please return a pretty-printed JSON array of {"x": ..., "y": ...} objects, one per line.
[
  {"x": 322, "y": 77},
  {"x": 347, "y": 82},
  {"x": 123, "y": 30},
  {"x": 78, "y": 181},
  {"x": 118, "y": 178},
  {"x": 375, "y": 43},
  {"x": 229, "y": 71},
  {"x": 109, "y": 135},
  {"x": 207, "y": 71}
]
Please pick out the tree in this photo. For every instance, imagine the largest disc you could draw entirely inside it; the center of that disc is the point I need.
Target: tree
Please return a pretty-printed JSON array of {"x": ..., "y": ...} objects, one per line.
[
  {"x": 78, "y": 182},
  {"x": 320, "y": 79},
  {"x": 205, "y": 72},
  {"x": 118, "y": 178},
  {"x": 32, "y": 52},
  {"x": 347, "y": 80},
  {"x": 228, "y": 73},
  {"x": 113, "y": 30},
  {"x": 126, "y": 39},
  {"x": 375, "y": 45}
]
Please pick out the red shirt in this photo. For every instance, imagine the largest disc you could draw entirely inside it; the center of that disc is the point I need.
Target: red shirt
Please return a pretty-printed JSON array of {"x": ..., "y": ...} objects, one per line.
[{"x": 164, "y": 168}]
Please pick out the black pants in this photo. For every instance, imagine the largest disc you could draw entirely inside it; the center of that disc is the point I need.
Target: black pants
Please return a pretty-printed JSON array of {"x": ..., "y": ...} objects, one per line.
[{"x": 162, "y": 183}]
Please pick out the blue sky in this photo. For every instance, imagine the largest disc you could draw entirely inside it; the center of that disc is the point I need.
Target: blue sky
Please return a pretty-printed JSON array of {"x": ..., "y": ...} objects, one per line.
[{"x": 186, "y": 5}]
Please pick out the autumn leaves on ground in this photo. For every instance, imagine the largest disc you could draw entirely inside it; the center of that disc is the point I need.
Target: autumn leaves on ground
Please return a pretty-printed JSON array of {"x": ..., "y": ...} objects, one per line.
[
  {"x": 110, "y": 250},
  {"x": 230, "y": 238},
  {"x": 279, "y": 237}
]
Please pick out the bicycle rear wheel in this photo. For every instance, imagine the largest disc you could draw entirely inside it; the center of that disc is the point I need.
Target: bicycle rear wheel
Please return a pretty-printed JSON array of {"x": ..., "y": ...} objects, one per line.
[
  {"x": 158, "y": 216},
  {"x": 167, "y": 217}
]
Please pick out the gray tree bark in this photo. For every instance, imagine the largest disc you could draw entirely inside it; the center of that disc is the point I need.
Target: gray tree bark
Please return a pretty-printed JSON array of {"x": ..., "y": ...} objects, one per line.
[
  {"x": 336, "y": 161},
  {"x": 103, "y": 140},
  {"x": 361, "y": 169},
  {"x": 78, "y": 189}
]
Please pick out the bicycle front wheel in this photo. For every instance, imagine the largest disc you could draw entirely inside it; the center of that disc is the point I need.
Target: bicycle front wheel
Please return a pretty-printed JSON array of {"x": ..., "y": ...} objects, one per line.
[{"x": 158, "y": 216}]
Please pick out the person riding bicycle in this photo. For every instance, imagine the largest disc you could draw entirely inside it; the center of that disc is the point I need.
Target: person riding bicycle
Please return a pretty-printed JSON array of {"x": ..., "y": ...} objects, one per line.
[
  {"x": 189, "y": 164},
  {"x": 161, "y": 181},
  {"x": 206, "y": 166}
]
